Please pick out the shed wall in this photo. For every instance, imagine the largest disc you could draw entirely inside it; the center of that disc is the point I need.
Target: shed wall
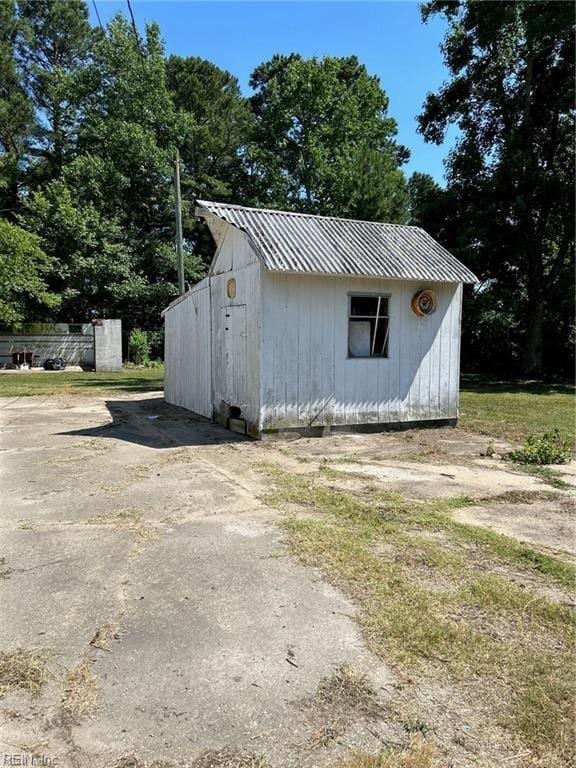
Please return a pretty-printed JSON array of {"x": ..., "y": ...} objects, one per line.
[
  {"x": 308, "y": 378},
  {"x": 187, "y": 352},
  {"x": 236, "y": 329}
]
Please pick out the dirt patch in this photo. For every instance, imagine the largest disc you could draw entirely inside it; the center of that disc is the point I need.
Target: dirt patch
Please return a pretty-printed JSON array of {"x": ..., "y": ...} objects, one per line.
[{"x": 551, "y": 525}]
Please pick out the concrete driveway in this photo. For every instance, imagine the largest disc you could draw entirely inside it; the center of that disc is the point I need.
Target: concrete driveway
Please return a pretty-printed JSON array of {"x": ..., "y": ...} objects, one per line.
[{"x": 135, "y": 552}]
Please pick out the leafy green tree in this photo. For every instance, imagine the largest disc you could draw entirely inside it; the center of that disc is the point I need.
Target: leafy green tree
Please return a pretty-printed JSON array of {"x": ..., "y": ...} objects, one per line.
[
  {"x": 323, "y": 140},
  {"x": 92, "y": 272},
  {"x": 511, "y": 173},
  {"x": 54, "y": 46},
  {"x": 23, "y": 266},
  {"x": 16, "y": 113},
  {"x": 219, "y": 127},
  {"x": 109, "y": 219},
  {"x": 425, "y": 200}
]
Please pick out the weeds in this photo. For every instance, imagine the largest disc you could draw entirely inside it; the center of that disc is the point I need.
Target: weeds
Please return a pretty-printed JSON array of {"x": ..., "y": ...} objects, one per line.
[{"x": 548, "y": 448}]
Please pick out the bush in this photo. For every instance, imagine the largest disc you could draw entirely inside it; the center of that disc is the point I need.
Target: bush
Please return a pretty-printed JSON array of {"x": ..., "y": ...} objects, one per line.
[
  {"x": 156, "y": 343},
  {"x": 138, "y": 345},
  {"x": 549, "y": 448}
]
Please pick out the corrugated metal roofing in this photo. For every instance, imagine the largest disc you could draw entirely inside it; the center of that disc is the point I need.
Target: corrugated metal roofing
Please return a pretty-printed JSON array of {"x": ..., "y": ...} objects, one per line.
[{"x": 325, "y": 245}]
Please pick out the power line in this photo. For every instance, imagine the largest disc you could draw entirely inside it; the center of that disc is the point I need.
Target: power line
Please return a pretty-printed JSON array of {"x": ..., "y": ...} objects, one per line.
[
  {"x": 136, "y": 35},
  {"x": 98, "y": 15}
]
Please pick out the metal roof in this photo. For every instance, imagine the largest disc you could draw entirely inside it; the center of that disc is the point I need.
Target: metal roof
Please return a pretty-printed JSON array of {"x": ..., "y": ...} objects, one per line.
[{"x": 325, "y": 245}]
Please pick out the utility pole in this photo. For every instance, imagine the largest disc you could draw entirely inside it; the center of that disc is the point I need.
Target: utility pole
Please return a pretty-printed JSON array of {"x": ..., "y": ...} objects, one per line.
[{"x": 179, "y": 247}]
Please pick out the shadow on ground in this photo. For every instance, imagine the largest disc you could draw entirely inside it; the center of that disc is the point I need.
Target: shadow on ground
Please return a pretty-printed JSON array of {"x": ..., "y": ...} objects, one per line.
[
  {"x": 484, "y": 384},
  {"x": 154, "y": 424}
]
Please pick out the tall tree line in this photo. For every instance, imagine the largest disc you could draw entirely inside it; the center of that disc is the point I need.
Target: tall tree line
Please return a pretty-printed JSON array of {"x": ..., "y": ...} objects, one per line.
[{"x": 90, "y": 120}]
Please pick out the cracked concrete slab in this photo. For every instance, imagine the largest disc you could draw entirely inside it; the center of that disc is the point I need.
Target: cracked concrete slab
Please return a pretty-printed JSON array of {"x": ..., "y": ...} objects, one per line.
[{"x": 112, "y": 517}]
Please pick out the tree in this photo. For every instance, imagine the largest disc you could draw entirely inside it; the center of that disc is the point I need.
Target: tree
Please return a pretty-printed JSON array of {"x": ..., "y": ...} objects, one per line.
[
  {"x": 92, "y": 272},
  {"x": 109, "y": 220},
  {"x": 323, "y": 140},
  {"x": 212, "y": 151},
  {"x": 54, "y": 47},
  {"x": 23, "y": 266},
  {"x": 511, "y": 173},
  {"x": 16, "y": 113}
]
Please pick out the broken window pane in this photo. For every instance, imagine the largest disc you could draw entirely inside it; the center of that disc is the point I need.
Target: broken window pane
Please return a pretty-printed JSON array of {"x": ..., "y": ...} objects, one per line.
[{"x": 368, "y": 326}]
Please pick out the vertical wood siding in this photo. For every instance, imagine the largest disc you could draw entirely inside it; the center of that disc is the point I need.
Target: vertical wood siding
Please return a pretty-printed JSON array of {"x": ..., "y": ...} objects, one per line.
[
  {"x": 187, "y": 353},
  {"x": 236, "y": 328},
  {"x": 307, "y": 377},
  {"x": 279, "y": 349}
]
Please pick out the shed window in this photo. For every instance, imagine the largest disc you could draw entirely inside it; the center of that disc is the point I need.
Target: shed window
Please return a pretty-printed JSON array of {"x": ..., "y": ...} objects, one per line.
[
  {"x": 74, "y": 328},
  {"x": 368, "y": 326}
]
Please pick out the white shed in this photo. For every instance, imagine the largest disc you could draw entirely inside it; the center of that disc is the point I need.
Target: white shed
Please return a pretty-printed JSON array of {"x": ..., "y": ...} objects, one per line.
[{"x": 314, "y": 323}]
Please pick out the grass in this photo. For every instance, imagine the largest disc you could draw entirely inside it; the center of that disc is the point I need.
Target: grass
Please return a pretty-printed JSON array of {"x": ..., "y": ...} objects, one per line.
[
  {"x": 516, "y": 410},
  {"x": 25, "y": 670},
  {"x": 339, "y": 699},
  {"x": 80, "y": 690},
  {"x": 418, "y": 754},
  {"x": 546, "y": 474},
  {"x": 87, "y": 382},
  {"x": 439, "y": 598}
]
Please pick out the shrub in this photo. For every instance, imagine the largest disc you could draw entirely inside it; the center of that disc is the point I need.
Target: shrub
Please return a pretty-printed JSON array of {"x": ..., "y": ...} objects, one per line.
[
  {"x": 548, "y": 448},
  {"x": 138, "y": 343}
]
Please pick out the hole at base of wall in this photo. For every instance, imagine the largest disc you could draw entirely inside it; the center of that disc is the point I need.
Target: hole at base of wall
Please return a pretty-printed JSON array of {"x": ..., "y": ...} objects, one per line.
[{"x": 234, "y": 412}]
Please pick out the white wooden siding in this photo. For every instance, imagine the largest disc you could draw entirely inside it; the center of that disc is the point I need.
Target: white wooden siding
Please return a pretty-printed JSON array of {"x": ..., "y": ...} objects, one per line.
[
  {"x": 188, "y": 370},
  {"x": 308, "y": 378},
  {"x": 279, "y": 349},
  {"x": 236, "y": 338}
]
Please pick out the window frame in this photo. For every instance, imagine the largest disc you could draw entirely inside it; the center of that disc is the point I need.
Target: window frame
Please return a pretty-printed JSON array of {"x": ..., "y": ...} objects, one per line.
[{"x": 350, "y": 317}]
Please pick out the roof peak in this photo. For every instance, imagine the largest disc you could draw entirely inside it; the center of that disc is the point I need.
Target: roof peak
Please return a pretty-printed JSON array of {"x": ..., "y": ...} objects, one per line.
[{"x": 204, "y": 203}]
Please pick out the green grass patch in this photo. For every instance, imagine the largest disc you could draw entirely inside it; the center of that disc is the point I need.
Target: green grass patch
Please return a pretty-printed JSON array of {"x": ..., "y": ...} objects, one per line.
[
  {"x": 514, "y": 411},
  {"x": 430, "y": 602},
  {"x": 86, "y": 382}
]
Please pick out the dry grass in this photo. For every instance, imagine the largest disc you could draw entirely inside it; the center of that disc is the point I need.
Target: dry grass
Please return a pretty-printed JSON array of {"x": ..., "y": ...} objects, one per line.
[
  {"x": 104, "y": 636},
  {"x": 227, "y": 757},
  {"x": 347, "y": 688},
  {"x": 80, "y": 690},
  {"x": 418, "y": 754},
  {"x": 127, "y": 519},
  {"x": 432, "y": 603},
  {"x": 340, "y": 698},
  {"x": 24, "y": 670},
  {"x": 520, "y": 497}
]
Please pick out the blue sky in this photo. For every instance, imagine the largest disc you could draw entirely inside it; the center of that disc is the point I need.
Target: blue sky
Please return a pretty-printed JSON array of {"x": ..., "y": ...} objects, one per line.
[{"x": 388, "y": 37}]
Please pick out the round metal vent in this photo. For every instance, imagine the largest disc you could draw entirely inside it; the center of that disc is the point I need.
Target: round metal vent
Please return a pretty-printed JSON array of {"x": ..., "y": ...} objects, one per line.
[{"x": 424, "y": 303}]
